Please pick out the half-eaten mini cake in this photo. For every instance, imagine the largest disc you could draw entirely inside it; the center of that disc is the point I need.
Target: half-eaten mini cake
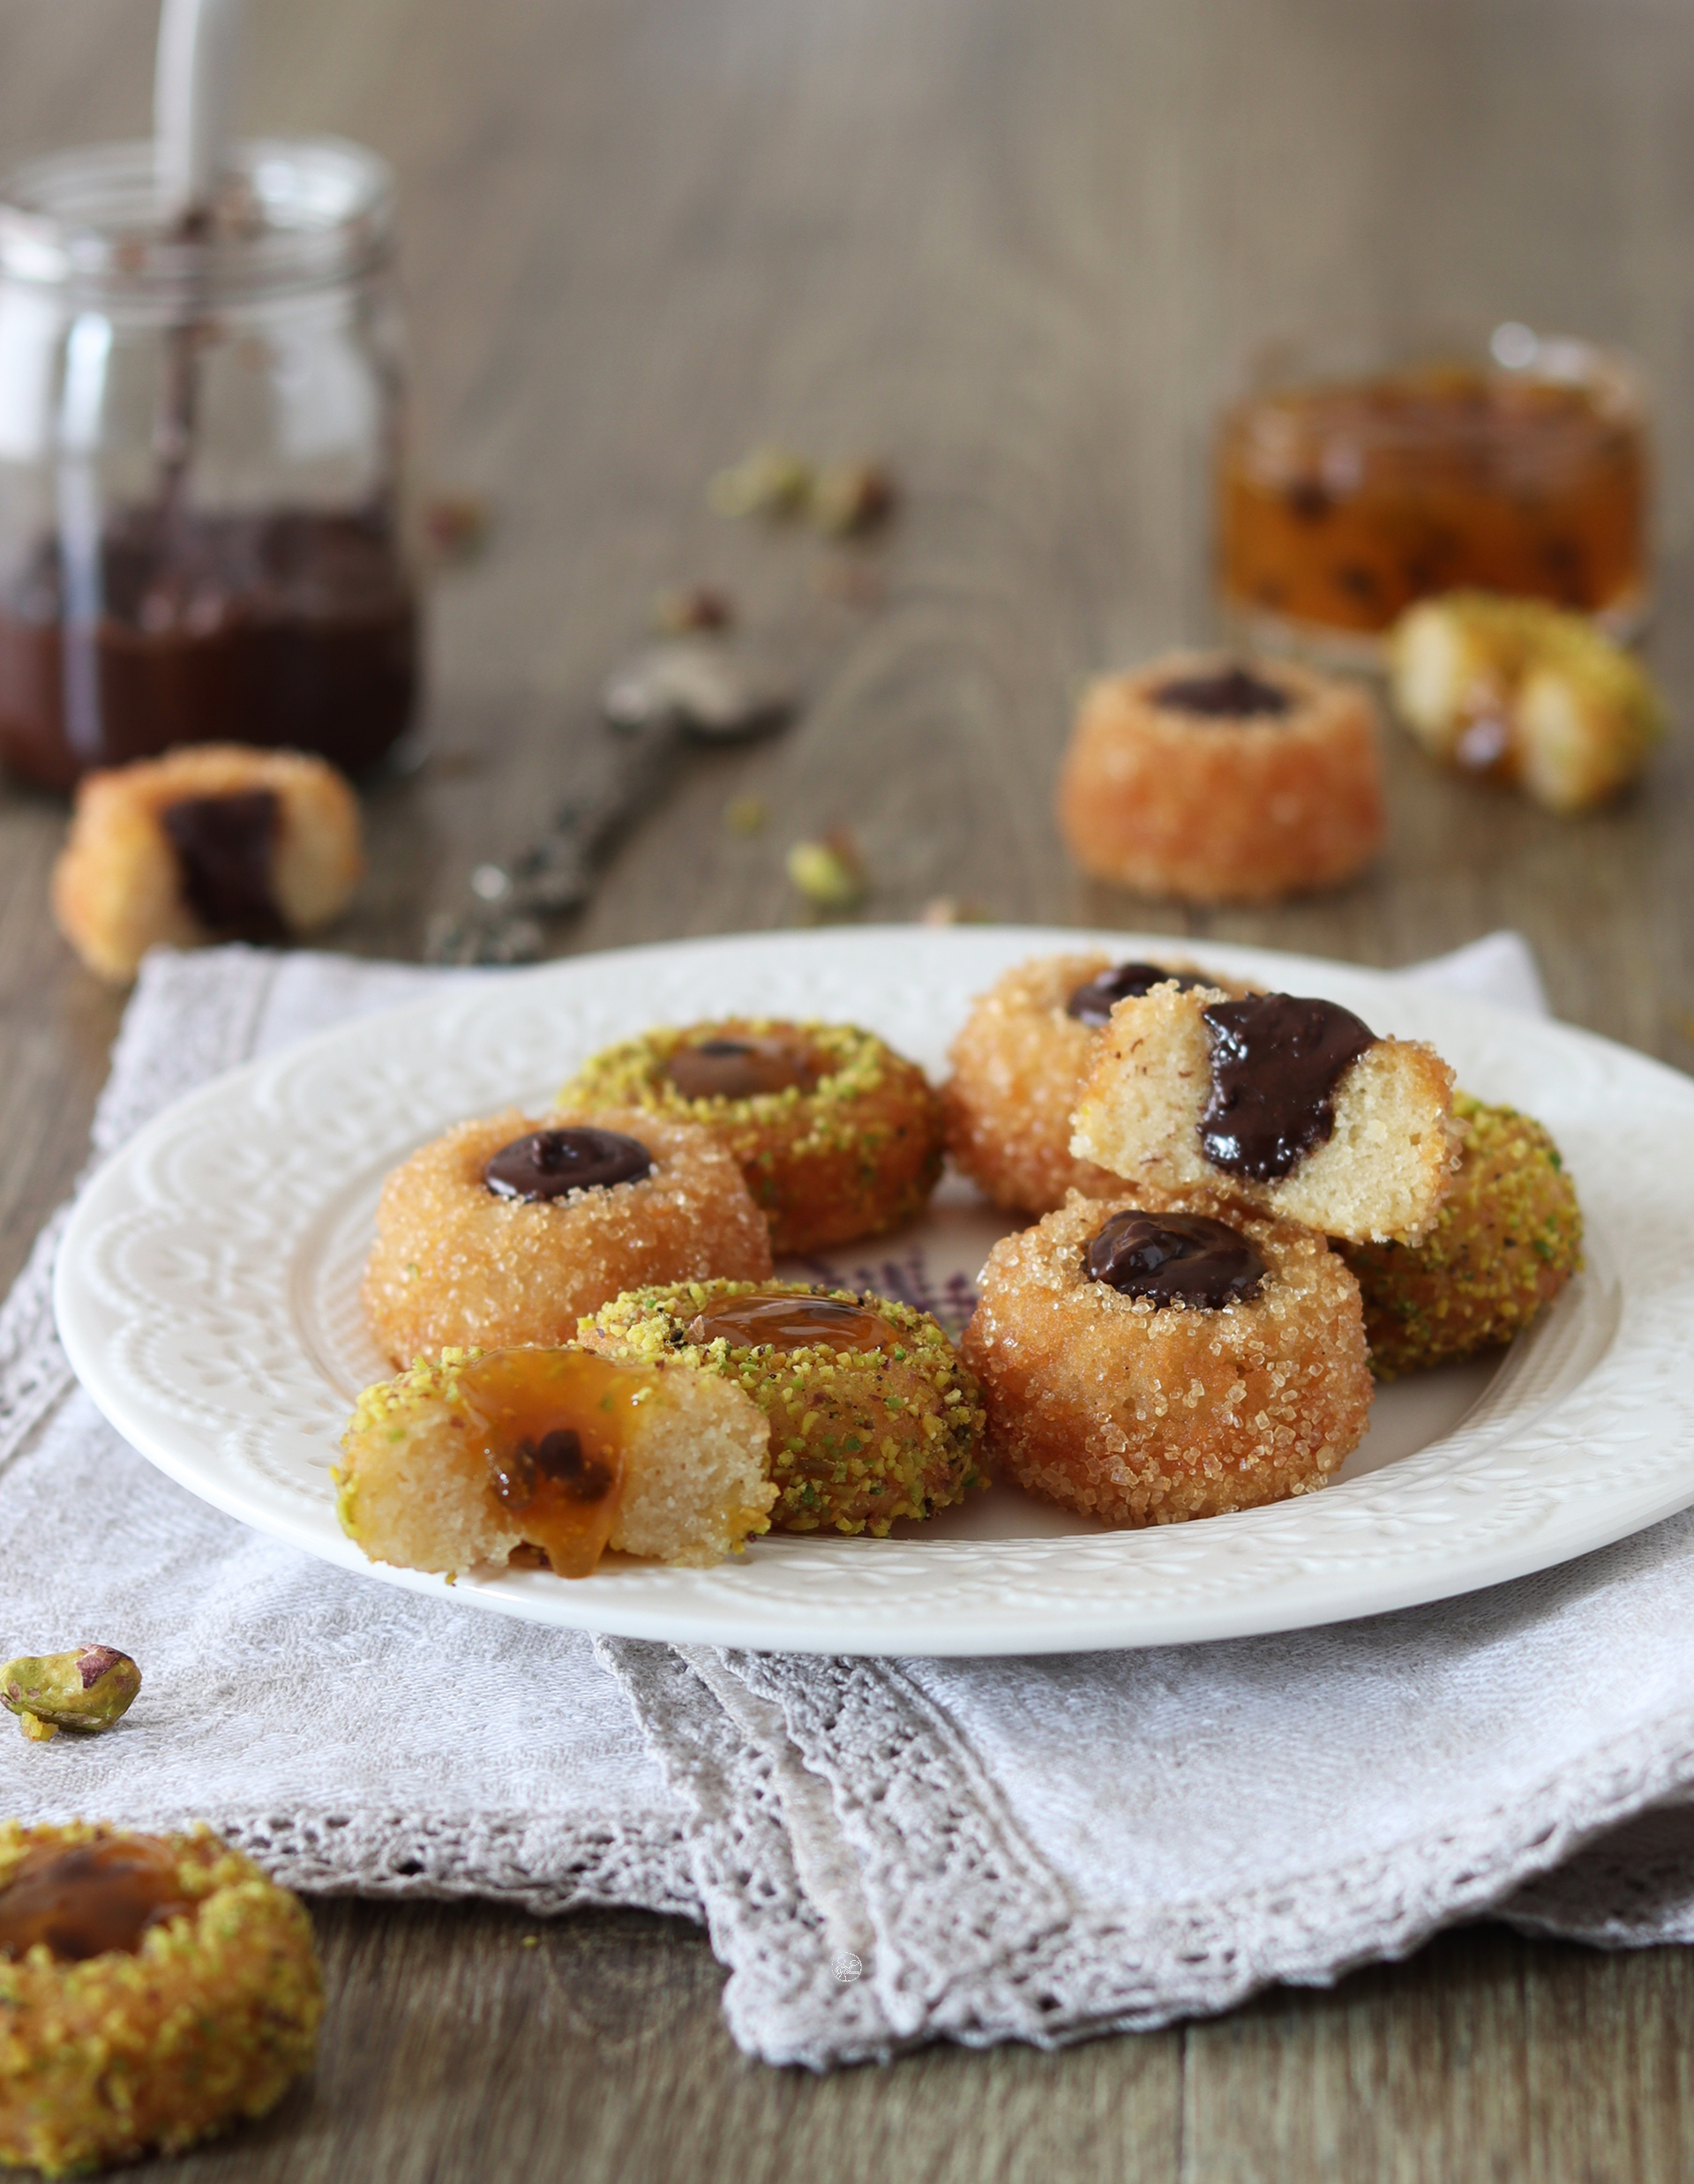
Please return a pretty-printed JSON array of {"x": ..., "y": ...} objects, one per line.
[{"x": 1294, "y": 1105}]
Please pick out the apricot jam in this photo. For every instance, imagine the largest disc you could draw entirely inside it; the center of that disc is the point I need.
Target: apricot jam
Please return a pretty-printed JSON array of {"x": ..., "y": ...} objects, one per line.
[
  {"x": 782, "y": 1322},
  {"x": 90, "y": 1899},
  {"x": 555, "y": 1427},
  {"x": 739, "y": 1067},
  {"x": 1342, "y": 503}
]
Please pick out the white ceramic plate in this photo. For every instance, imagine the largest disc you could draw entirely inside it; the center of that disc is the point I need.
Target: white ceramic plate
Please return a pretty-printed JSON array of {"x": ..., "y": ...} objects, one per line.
[{"x": 207, "y": 1293}]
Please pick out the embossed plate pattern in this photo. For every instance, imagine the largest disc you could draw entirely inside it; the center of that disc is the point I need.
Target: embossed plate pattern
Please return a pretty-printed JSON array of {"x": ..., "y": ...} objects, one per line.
[{"x": 207, "y": 1294}]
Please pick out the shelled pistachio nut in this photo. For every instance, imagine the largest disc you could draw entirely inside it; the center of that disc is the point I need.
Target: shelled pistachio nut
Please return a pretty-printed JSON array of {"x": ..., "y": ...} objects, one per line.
[{"x": 88, "y": 1689}]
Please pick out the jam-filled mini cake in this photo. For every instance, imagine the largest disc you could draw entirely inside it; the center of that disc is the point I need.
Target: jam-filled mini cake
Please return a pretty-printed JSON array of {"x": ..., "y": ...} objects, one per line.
[
  {"x": 481, "y": 1453},
  {"x": 1294, "y": 1105},
  {"x": 1147, "y": 1363},
  {"x": 838, "y": 1136},
  {"x": 153, "y": 1989},
  {"x": 872, "y": 1415},
  {"x": 1018, "y": 1065},
  {"x": 506, "y": 1231},
  {"x": 1214, "y": 781},
  {"x": 1507, "y": 1239},
  {"x": 216, "y": 842}
]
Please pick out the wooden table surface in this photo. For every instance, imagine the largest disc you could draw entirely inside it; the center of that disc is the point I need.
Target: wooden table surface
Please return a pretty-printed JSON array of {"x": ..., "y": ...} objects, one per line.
[{"x": 1021, "y": 251}]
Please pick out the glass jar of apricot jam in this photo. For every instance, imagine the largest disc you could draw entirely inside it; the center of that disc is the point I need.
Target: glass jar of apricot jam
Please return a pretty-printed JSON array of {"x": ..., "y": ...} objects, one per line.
[{"x": 1349, "y": 487}]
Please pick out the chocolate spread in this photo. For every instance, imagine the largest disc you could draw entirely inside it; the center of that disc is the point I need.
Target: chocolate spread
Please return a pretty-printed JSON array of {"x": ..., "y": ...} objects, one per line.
[
  {"x": 1176, "y": 1259},
  {"x": 551, "y": 1163},
  {"x": 280, "y": 629},
  {"x": 1276, "y": 1062},
  {"x": 555, "y": 1459},
  {"x": 1093, "y": 1004},
  {"x": 1231, "y": 694},
  {"x": 226, "y": 853}
]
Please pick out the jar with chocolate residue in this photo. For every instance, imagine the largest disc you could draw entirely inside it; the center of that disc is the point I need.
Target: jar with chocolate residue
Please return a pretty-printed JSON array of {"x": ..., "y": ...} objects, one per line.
[
  {"x": 1357, "y": 477},
  {"x": 202, "y": 509}
]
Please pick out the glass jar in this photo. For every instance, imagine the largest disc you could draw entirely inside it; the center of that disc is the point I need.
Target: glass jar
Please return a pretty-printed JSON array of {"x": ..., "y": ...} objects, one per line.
[
  {"x": 1356, "y": 478},
  {"x": 203, "y": 532}
]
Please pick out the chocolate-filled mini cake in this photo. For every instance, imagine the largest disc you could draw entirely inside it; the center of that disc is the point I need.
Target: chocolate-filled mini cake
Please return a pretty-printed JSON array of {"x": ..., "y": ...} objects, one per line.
[
  {"x": 1215, "y": 782},
  {"x": 1293, "y": 1105},
  {"x": 216, "y": 842},
  {"x": 1146, "y": 1360},
  {"x": 505, "y": 1231}
]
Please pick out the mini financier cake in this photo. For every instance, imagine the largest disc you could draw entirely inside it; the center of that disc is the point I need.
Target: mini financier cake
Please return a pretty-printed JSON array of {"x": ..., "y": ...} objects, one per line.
[
  {"x": 469, "y": 1459},
  {"x": 506, "y": 1231},
  {"x": 1215, "y": 782},
  {"x": 215, "y": 841},
  {"x": 1294, "y": 1105},
  {"x": 1018, "y": 1065},
  {"x": 1144, "y": 1362}
]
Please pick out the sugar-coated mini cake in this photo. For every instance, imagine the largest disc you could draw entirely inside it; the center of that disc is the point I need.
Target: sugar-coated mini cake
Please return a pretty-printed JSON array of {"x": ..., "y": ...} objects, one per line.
[
  {"x": 507, "y": 1230},
  {"x": 214, "y": 841},
  {"x": 838, "y": 1136},
  {"x": 872, "y": 1415},
  {"x": 1147, "y": 1361},
  {"x": 153, "y": 1989},
  {"x": 1507, "y": 1239},
  {"x": 1018, "y": 1065},
  {"x": 469, "y": 1459},
  {"x": 1212, "y": 782},
  {"x": 1294, "y": 1105}
]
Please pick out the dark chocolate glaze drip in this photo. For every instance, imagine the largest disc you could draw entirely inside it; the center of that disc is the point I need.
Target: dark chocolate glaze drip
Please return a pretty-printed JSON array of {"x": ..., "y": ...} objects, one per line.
[
  {"x": 738, "y": 1069},
  {"x": 90, "y": 1899},
  {"x": 226, "y": 853},
  {"x": 1231, "y": 694},
  {"x": 1276, "y": 1061},
  {"x": 1093, "y": 1004},
  {"x": 557, "y": 1458},
  {"x": 551, "y": 1163},
  {"x": 1176, "y": 1259}
]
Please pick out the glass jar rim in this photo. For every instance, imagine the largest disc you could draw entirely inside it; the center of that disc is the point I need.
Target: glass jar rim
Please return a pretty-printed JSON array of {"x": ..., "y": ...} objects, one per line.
[{"x": 294, "y": 212}]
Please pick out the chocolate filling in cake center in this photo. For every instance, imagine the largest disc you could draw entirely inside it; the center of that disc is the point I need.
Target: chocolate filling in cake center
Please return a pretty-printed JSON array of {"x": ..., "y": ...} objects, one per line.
[
  {"x": 1176, "y": 1259},
  {"x": 551, "y": 1163},
  {"x": 1231, "y": 694},
  {"x": 226, "y": 853},
  {"x": 1276, "y": 1062},
  {"x": 1093, "y": 1004}
]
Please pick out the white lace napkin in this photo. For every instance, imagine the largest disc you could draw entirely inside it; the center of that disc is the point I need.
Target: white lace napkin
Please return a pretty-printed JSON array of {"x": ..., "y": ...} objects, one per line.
[{"x": 885, "y": 1852}]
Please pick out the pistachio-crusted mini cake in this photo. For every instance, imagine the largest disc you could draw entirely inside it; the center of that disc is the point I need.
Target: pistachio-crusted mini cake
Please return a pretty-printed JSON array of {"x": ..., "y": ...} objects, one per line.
[
  {"x": 1201, "y": 778},
  {"x": 1143, "y": 1363},
  {"x": 872, "y": 1415},
  {"x": 506, "y": 1231},
  {"x": 838, "y": 1136},
  {"x": 1294, "y": 1105},
  {"x": 153, "y": 1989},
  {"x": 1018, "y": 1065},
  {"x": 1507, "y": 1239},
  {"x": 482, "y": 1453},
  {"x": 213, "y": 843}
]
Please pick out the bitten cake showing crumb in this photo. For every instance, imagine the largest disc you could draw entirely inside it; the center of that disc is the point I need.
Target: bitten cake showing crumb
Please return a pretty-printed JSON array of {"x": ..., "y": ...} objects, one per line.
[
  {"x": 1507, "y": 1239},
  {"x": 469, "y": 1459},
  {"x": 506, "y": 1231},
  {"x": 1295, "y": 1105},
  {"x": 215, "y": 841},
  {"x": 1147, "y": 1360}
]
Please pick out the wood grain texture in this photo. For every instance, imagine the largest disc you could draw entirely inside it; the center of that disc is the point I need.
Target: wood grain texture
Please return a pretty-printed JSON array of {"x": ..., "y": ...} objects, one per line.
[{"x": 1023, "y": 253}]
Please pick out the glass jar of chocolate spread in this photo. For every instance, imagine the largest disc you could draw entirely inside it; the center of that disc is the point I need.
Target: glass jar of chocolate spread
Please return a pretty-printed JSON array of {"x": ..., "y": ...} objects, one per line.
[
  {"x": 202, "y": 532},
  {"x": 1360, "y": 475}
]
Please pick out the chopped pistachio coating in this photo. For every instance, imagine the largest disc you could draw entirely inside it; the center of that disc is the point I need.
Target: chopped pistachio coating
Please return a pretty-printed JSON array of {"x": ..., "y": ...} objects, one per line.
[
  {"x": 1508, "y": 1238},
  {"x": 1524, "y": 692},
  {"x": 88, "y": 1689},
  {"x": 858, "y": 1438}
]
